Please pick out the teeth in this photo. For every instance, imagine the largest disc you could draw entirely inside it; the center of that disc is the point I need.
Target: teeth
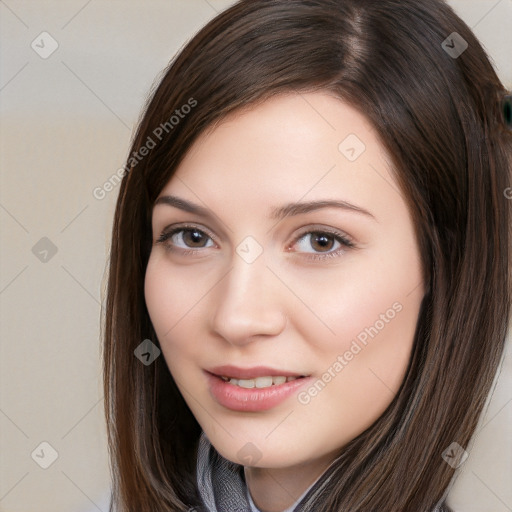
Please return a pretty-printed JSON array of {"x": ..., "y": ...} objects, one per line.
[
  {"x": 259, "y": 382},
  {"x": 262, "y": 382}
]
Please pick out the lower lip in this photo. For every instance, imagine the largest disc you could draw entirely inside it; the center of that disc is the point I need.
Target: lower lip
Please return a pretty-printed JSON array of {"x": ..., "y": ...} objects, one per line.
[{"x": 237, "y": 398}]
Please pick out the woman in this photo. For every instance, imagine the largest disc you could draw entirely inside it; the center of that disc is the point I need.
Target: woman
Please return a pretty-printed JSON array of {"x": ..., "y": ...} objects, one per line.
[{"x": 315, "y": 228}]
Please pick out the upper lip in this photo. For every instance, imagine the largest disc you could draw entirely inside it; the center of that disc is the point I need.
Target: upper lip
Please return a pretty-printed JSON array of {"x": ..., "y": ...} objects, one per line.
[{"x": 250, "y": 373}]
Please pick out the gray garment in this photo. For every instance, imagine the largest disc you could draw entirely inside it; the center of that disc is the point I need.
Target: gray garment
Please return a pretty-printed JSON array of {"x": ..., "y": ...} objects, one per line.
[{"x": 222, "y": 485}]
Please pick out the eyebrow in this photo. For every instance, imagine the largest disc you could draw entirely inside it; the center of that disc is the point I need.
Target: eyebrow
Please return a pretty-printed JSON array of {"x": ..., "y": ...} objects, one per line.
[
  {"x": 280, "y": 213},
  {"x": 300, "y": 208}
]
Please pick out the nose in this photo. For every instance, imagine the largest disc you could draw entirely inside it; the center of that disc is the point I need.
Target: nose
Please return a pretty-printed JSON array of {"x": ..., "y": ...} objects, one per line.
[{"x": 248, "y": 303}]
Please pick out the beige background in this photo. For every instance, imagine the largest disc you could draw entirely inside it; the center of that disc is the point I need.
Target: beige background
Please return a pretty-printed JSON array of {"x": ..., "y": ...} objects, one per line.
[{"x": 66, "y": 125}]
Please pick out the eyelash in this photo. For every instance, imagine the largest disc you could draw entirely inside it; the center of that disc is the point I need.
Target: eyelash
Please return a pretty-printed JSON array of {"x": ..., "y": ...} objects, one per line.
[
  {"x": 184, "y": 252},
  {"x": 343, "y": 239}
]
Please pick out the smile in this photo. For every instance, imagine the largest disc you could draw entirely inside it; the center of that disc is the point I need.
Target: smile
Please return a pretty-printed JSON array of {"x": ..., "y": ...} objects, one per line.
[
  {"x": 256, "y": 394},
  {"x": 259, "y": 382}
]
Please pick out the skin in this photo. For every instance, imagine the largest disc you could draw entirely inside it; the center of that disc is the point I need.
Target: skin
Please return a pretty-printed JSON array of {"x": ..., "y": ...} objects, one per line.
[{"x": 291, "y": 308}]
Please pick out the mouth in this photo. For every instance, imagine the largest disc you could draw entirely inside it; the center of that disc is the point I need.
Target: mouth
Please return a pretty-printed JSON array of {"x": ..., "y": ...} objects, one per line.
[
  {"x": 260, "y": 382},
  {"x": 256, "y": 377},
  {"x": 253, "y": 389}
]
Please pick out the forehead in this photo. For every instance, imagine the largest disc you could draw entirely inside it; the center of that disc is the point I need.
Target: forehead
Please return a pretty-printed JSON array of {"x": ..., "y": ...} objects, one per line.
[{"x": 290, "y": 147}]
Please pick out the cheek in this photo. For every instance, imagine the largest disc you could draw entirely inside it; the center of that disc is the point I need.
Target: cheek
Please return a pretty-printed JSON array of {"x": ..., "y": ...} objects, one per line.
[
  {"x": 373, "y": 317},
  {"x": 168, "y": 301},
  {"x": 170, "y": 295},
  {"x": 160, "y": 297},
  {"x": 369, "y": 300},
  {"x": 175, "y": 300}
]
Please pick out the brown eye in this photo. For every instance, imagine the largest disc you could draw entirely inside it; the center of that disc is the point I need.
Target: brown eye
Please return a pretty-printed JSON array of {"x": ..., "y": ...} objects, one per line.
[
  {"x": 186, "y": 238},
  {"x": 322, "y": 242},
  {"x": 317, "y": 241},
  {"x": 193, "y": 238}
]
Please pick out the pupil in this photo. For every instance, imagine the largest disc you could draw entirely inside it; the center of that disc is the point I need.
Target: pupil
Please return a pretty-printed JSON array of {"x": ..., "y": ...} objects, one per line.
[
  {"x": 323, "y": 242},
  {"x": 194, "y": 238}
]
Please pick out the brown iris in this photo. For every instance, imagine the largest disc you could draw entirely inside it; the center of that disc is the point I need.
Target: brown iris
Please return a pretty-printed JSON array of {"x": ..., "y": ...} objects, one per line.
[
  {"x": 194, "y": 238},
  {"x": 322, "y": 242}
]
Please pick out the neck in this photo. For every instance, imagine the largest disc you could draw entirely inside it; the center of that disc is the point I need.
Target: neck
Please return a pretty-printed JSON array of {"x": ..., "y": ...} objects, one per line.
[{"x": 276, "y": 489}]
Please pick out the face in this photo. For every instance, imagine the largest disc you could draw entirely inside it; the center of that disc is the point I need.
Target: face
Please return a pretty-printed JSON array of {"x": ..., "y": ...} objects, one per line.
[{"x": 283, "y": 248}]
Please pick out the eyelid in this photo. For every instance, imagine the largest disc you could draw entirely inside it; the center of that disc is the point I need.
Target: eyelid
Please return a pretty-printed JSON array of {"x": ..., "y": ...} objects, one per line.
[
  {"x": 170, "y": 230},
  {"x": 346, "y": 243},
  {"x": 344, "y": 237},
  {"x": 345, "y": 240}
]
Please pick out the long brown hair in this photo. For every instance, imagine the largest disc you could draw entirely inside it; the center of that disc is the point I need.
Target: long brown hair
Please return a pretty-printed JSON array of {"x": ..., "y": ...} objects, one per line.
[{"x": 439, "y": 116}]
